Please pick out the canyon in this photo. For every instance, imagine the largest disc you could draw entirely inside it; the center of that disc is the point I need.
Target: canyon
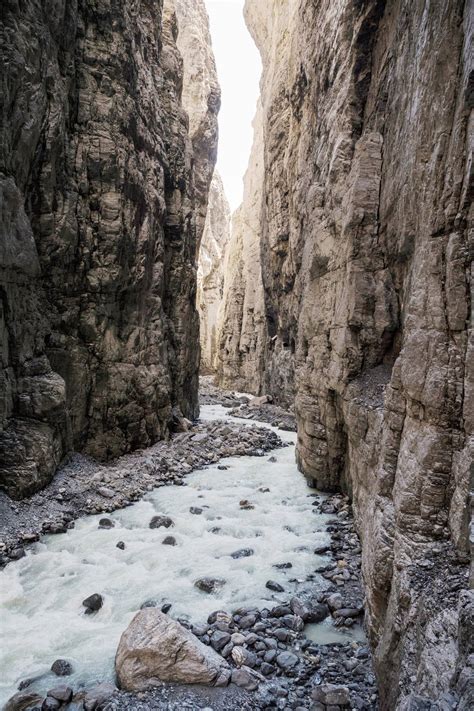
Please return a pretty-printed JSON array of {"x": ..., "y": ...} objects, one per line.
[{"x": 339, "y": 289}]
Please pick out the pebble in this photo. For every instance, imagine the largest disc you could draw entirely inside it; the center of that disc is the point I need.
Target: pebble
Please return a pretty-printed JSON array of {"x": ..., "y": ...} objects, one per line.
[{"x": 273, "y": 585}]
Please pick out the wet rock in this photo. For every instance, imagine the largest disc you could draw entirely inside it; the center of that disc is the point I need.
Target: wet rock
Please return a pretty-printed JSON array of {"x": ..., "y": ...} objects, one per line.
[
  {"x": 273, "y": 585},
  {"x": 242, "y": 553},
  {"x": 106, "y": 523},
  {"x": 93, "y": 603},
  {"x": 209, "y": 585},
  {"x": 98, "y": 695},
  {"x": 334, "y": 601},
  {"x": 244, "y": 678},
  {"x": 161, "y": 521},
  {"x": 61, "y": 667},
  {"x": 283, "y": 566},
  {"x": 17, "y": 553},
  {"x": 287, "y": 660},
  {"x": 316, "y": 612},
  {"x": 61, "y": 693},
  {"x": 120, "y": 545},
  {"x": 331, "y": 695},
  {"x": 243, "y": 657},
  {"x": 247, "y": 621},
  {"x": 195, "y": 510},
  {"x": 155, "y": 647},
  {"x": 219, "y": 617},
  {"x": 166, "y": 608},
  {"x": 245, "y": 505},
  {"x": 322, "y": 548},
  {"x": 222, "y": 467},
  {"x": 219, "y": 640},
  {"x": 23, "y": 701},
  {"x": 169, "y": 541},
  {"x": 267, "y": 669}
]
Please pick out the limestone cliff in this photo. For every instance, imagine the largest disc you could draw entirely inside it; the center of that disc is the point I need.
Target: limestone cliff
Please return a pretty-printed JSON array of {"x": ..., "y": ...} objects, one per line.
[
  {"x": 363, "y": 227},
  {"x": 211, "y": 272},
  {"x": 98, "y": 327},
  {"x": 241, "y": 322}
]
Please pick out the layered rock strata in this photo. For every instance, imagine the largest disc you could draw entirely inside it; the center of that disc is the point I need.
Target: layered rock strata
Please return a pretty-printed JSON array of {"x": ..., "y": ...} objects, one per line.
[
  {"x": 211, "y": 272},
  {"x": 363, "y": 224},
  {"x": 99, "y": 178}
]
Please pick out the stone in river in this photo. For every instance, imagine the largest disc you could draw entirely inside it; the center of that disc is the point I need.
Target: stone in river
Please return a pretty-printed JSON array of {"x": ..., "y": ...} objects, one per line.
[
  {"x": 273, "y": 585},
  {"x": 166, "y": 608},
  {"x": 23, "y": 700},
  {"x": 169, "y": 541},
  {"x": 61, "y": 693},
  {"x": 159, "y": 521},
  {"x": 287, "y": 660},
  {"x": 246, "y": 505},
  {"x": 195, "y": 510},
  {"x": 121, "y": 545},
  {"x": 156, "y": 648},
  {"x": 209, "y": 585},
  {"x": 93, "y": 603},
  {"x": 242, "y": 553},
  {"x": 283, "y": 566},
  {"x": 106, "y": 523},
  {"x": 50, "y": 704},
  {"x": 61, "y": 667}
]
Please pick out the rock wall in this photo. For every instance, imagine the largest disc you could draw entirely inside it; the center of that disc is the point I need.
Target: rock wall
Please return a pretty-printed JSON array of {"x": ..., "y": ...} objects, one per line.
[
  {"x": 364, "y": 219},
  {"x": 241, "y": 319},
  {"x": 211, "y": 272},
  {"x": 98, "y": 326}
]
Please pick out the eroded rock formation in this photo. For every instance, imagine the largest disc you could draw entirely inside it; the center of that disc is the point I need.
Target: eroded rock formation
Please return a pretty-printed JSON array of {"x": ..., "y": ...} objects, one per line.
[
  {"x": 211, "y": 272},
  {"x": 98, "y": 322},
  {"x": 363, "y": 228},
  {"x": 241, "y": 322}
]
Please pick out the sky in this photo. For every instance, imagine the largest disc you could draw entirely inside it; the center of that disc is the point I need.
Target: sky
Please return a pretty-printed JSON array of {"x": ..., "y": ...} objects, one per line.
[{"x": 238, "y": 68}]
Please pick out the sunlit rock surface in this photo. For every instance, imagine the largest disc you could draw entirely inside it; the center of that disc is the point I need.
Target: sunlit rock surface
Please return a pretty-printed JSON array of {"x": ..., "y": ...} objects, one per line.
[
  {"x": 211, "y": 272},
  {"x": 363, "y": 224},
  {"x": 98, "y": 327}
]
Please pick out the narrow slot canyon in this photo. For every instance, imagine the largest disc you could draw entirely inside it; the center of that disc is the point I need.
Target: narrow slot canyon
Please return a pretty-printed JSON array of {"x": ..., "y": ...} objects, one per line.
[{"x": 237, "y": 378}]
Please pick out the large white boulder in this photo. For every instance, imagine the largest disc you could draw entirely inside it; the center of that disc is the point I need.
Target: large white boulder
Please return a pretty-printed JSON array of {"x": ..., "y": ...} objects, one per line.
[{"x": 155, "y": 648}]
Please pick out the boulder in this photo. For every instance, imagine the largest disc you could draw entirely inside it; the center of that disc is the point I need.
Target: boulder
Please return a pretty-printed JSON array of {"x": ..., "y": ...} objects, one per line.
[
  {"x": 22, "y": 701},
  {"x": 155, "y": 648},
  {"x": 159, "y": 521}
]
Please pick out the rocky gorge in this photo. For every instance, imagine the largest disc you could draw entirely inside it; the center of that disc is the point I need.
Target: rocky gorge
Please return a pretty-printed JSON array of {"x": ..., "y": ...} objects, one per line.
[{"x": 160, "y": 551}]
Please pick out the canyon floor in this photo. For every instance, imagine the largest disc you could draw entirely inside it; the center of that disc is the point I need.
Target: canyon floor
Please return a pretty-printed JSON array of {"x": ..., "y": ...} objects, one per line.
[{"x": 291, "y": 606}]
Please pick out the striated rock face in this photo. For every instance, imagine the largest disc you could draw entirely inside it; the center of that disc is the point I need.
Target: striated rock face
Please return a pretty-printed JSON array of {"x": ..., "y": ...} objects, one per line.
[
  {"x": 211, "y": 271},
  {"x": 364, "y": 216},
  {"x": 98, "y": 328},
  {"x": 241, "y": 322}
]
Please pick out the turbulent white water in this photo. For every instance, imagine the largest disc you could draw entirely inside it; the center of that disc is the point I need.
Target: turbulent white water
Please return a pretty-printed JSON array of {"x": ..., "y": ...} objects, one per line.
[{"x": 42, "y": 618}]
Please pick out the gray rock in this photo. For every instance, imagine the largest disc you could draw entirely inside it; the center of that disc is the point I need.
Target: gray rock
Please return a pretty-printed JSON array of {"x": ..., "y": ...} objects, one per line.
[
  {"x": 93, "y": 603},
  {"x": 161, "y": 521},
  {"x": 273, "y": 585},
  {"x": 244, "y": 678},
  {"x": 287, "y": 660},
  {"x": 61, "y": 667},
  {"x": 219, "y": 640},
  {"x": 331, "y": 694},
  {"x": 209, "y": 585},
  {"x": 169, "y": 541},
  {"x": 61, "y": 693}
]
